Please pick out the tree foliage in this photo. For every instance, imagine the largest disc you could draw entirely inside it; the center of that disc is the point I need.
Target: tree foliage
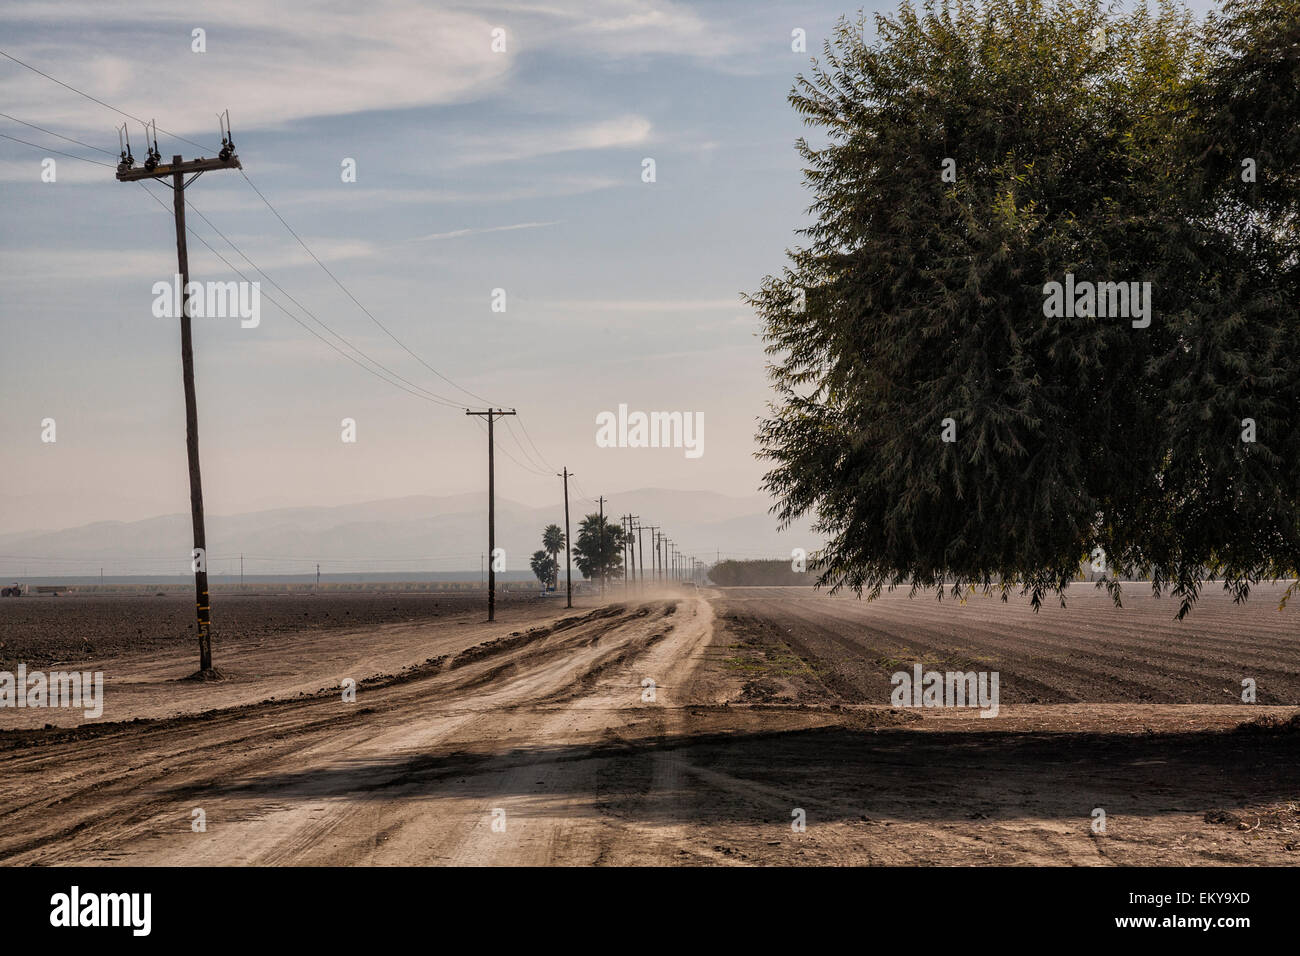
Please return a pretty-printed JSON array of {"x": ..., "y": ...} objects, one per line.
[
  {"x": 553, "y": 544},
  {"x": 544, "y": 566},
  {"x": 598, "y": 551},
  {"x": 923, "y": 300},
  {"x": 757, "y": 573}
]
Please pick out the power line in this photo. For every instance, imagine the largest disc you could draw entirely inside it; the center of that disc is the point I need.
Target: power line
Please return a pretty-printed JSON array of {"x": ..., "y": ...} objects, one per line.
[
  {"x": 534, "y": 444},
  {"x": 51, "y": 132},
  {"x": 442, "y": 400},
  {"x": 57, "y": 152},
  {"x": 527, "y": 468},
  {"x": 540, "y": 459},
  {"x": 349, "y": 294},
  {"x": 289, "y": 313},
  {"x": 99, "y": 101},
  {"x": 409, "y": 387},
  {"x": 529, "y": 456},
  {"x": 582, "y": 492},
  {"x": 419, "y": 392}
]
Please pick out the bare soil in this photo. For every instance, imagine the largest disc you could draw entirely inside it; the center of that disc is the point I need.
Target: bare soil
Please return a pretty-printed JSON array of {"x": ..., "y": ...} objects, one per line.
[
  {"x": 1088, "y": 651},
  {"x": 43, "y": 629},
  {"x": 537, "y": 740}
]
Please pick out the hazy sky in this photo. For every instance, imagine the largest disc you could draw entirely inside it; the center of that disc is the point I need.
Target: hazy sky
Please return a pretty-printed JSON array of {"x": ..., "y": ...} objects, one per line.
[{"x": 476, "y": 170}]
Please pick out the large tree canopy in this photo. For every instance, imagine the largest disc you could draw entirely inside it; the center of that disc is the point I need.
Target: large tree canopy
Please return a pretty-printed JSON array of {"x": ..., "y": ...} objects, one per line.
[{"x": 945, "y": 424}]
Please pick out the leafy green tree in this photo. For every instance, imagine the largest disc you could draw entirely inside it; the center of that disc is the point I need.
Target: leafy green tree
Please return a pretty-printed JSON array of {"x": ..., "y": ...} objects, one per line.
[
  {"x": 945, "y": 429},
  {"x": 598, "y": 552},
  {"x": 553, "y": 542},
  {"x": 543, "y": 565}
]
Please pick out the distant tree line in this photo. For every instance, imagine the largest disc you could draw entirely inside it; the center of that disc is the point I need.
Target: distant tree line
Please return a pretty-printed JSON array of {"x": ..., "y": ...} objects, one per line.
[{"x": 757, "y": 574}]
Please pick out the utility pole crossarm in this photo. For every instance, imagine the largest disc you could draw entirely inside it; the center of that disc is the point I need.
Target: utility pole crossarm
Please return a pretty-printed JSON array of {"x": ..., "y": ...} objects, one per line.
[{"x": 176, "y": 167}]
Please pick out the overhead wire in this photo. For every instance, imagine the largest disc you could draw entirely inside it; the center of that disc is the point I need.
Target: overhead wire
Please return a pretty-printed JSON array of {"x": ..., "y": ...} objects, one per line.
[
  {"x": 440, "y": 399},
  {"x": 290, "y": 313},
  {"x": 51, "y": 132},
  {"x": 57, "y": 152},
  {"x": 67, "y": 86},
  {"x": 348, "y": 293},
  {"x": 535, "y": 457}
]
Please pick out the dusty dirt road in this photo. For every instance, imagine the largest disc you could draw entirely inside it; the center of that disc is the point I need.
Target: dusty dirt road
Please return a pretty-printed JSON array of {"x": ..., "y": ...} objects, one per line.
[{"x": 545, "y": 746}]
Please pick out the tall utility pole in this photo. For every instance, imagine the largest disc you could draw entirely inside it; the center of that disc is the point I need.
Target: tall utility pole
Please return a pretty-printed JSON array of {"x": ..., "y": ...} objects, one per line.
[
  {"x": 241, "y": 572},
  {"x": 631, "y": 548},
  {"x": 177, "y": 171},
  {"x": 640, "y": 540},
  {"x": 492, "y": 414},
  {"x": 627, "y": 564},
  {"x": 568, "y": 545},
  {"x": 604, "y": 558},
  {"x": 656, "y": 566}
]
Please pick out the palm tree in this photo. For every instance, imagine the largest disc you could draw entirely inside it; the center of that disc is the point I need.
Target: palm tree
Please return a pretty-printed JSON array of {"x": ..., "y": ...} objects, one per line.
[
  {"x": 543, "y": 566},
  {"x": 553, "y": 542}
]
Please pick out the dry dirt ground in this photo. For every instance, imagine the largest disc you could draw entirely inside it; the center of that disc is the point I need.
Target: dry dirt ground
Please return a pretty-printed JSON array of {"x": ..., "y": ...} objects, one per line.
[
  {"x": 43, "y": 630},
  {"x": 535, "y": 740}
]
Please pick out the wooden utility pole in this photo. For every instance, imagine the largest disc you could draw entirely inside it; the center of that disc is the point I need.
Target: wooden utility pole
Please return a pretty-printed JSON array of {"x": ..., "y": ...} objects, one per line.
[
  {"x": 656, "y": 568},
  {"x": 604, "y": 558},
  {"x": 568, "y": 545},
  {"x": 627, "y": 568},
  {"x": 640, "y": 562},
  {"x": 492, "y": 414},
  {"x": 629, "y": 547},
  {"x": 177, "y": 171}
]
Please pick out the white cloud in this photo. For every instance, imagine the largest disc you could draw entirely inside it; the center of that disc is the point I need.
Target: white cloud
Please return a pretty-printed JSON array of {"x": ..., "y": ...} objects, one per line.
[
  {"x": 269, "y": 64},
  {"x": 457, "y": 233},
  {"x": 620, "y": 28},
  {"x": 514, "y": 145}
]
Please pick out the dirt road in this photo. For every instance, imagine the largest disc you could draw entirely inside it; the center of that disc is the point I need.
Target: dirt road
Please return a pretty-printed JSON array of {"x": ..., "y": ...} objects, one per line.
[{"x": 518, "y": 746}]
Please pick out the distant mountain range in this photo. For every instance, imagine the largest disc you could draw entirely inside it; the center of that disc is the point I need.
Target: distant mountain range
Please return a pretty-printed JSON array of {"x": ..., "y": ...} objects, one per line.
[{"x": 399, "y": 534}]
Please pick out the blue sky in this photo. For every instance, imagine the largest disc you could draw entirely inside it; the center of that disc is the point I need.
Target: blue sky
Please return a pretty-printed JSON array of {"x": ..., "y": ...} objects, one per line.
[{"x": 475, "y": 170}]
